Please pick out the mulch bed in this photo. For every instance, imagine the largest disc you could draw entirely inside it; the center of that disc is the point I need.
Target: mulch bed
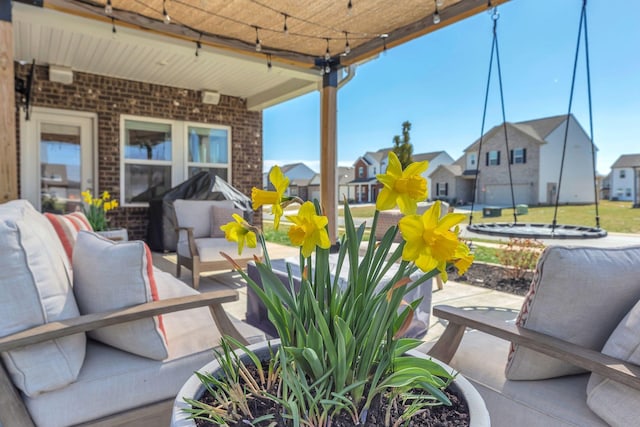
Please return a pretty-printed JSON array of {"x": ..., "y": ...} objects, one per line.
[{"x": 493, "y": 276}]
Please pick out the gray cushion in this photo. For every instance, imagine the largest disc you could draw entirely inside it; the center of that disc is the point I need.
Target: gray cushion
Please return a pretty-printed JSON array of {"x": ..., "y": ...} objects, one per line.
[
  {"x": 543, "y": 403},
  {"x": 197, "y": 214},
  {"x": 35, "y": 288},
  {"x": 578, "y": 294},
  {"x": 616, "y": 403},
  {"x": 112, "y": 381}
]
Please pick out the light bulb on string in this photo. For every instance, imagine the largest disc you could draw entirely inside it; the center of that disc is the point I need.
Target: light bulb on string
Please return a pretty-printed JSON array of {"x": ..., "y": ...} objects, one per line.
[
  {"x": 114, "y": 32},
  {"x": 347, "y": 46},
  {"x": 167, "y": 18},
  {"x": 327, "y": 53},
  {"x": 439, "y": 3},
  {"x": 108, "y": 8},
  {"x": 258, "y": 42},
  {"x": 349, "y": 8},
  {"x": 384, "y": 43},
  {"x": 198, "y": 47},
  {"x": 436, "y": 17},
  {"x": 327, "y": 68},
  {"x": 285, "y": 27},
  {"x": 269, "y": 65}
]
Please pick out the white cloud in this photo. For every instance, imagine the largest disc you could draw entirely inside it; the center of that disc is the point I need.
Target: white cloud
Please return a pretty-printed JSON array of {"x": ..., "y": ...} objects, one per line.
[{"x": 313, "y": 164}]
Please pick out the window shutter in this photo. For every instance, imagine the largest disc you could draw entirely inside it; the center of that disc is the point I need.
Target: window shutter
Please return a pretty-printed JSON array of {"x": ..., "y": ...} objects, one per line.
[
  {"x": 437, "y": 188},
  {"x": 498, "y": 158},
  {"x": 446, "y": 188},
  {"x": 487, "y": 158},
  {"x": 524, "y": 155},
  {"x": 511, "y": 157}
]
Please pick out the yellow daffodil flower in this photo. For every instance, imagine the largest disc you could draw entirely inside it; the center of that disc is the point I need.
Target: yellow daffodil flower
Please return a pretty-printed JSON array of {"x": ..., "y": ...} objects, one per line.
[
  {"x": 274, "y": 198},
  {"x": 463, "y": 257},
  {"x": 106, "y": 195},
  {"x": 239, "y": 231},
  {"x": 430, "y": 242},
  {"x": 403, "y": 188},
  {"x": 86, "y": 196},
  {"x": 309, "y": 230}
]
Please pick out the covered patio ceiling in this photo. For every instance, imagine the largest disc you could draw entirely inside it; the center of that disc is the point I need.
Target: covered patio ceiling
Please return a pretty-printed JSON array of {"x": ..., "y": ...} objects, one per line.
[{"x": 295, "y": 37}]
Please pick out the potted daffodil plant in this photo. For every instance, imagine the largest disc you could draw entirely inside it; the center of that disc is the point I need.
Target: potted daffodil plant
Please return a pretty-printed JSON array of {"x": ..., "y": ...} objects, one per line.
[{"x": 341, "y": 358}]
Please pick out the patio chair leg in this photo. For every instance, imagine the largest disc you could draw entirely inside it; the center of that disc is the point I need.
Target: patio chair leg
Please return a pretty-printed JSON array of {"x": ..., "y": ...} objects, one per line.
[{"x": 195, "y": 271}]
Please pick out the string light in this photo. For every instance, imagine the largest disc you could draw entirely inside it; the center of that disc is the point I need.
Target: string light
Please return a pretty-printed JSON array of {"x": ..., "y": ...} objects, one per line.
[
  {"x": 167, "y": 18},
  {"x": 440, "y": 3},
  {"x": 436, "y": 14},
  {"x": 349, "y": 8},
  {"x": 113, "y": 27},
  {"x": 269, "y": 65},
  {"x": 198, "y": 46},
  {"x": 327, "y": 53},
  {"x": 258, "y": 42},
  {"x": 347, "y": 47},
  {"x": 108, "y": 9},
  {"x": 384, "y": 42},
  {"x": 285, "y": 28}
]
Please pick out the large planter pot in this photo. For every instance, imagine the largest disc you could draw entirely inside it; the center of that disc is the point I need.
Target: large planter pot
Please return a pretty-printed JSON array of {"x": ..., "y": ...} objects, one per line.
[{"x": 193, "y": 389}]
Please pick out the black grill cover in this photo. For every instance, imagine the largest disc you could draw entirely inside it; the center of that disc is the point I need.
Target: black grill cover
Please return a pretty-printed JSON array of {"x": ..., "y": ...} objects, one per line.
[{"x": 161, "y": 234}]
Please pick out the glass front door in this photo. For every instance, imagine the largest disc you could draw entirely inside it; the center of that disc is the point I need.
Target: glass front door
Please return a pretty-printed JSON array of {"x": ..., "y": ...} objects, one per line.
[{"x": 57, "y": 159}]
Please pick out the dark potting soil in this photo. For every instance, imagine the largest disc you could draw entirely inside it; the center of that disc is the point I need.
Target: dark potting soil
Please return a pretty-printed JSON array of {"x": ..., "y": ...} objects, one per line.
[{"x": 436, "y": 416}]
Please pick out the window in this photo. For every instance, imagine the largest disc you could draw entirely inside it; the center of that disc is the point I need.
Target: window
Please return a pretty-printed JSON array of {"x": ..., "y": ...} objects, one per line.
[
  {"x": 442, "y": 189},
  {"x": 159, "y": 154},
  {"x": 147, "y": 160},
  {"x": 360, "y": 171},
  {"x": 472, "y": 159},
  {"x": 623, "y": 173},
  {"x": 519, "y": 156},
  {"x": 627, "y": 193},
  {"x": 208, "y": 150},
  {"x": 493, "y": 158}
]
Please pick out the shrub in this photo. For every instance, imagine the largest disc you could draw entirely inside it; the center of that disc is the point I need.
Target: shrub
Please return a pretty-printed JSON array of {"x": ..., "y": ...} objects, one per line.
[{"x": 520, "y": 255}]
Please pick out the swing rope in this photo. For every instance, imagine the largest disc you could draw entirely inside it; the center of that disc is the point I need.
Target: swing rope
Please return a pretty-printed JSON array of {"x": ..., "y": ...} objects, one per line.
[
  {"x": 494, "y": 49},
  {"x": 583, "y": 23}
]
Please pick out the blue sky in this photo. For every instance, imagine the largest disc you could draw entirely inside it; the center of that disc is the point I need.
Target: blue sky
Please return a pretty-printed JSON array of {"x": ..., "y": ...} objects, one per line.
[{"x": 437, "y": 82}]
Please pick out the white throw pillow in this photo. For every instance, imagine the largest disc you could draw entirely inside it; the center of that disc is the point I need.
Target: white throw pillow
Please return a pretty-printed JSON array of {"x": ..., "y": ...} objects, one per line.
[
  {"x": 110, "y": 276},
  {"x": 578, "y": 294},
  {"x": 616, "y": 403},
  {"x": 67, "y": 227},
  {"x": 35, "y": 288}
]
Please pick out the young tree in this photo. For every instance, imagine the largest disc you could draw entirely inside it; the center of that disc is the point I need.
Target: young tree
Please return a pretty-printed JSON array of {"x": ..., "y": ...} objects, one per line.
[{"x": 402, "y": 147}]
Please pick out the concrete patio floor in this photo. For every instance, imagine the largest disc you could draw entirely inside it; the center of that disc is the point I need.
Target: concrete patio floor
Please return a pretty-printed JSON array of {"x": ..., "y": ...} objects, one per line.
[{"x": 494, "y": 303}]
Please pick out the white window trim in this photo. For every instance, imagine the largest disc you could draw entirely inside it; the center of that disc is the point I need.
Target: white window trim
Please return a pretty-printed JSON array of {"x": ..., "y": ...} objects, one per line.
[
  {"x": 179, "y": 156},
  {"x": 493, "y": 159},
  {"x": 442, "y": 189},
  {"x": 520, "y": 156}
]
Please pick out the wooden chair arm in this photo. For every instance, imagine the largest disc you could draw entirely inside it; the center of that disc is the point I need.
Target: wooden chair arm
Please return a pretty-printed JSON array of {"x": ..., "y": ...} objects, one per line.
[
  {"x": 193, "y": 250},
  {"x": 90, "y": 322},
  {"x": 610, "y": 367}
]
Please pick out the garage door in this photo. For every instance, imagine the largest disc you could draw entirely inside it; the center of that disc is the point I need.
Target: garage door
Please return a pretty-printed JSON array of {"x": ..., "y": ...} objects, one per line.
[{"x": 500, "y": 195}]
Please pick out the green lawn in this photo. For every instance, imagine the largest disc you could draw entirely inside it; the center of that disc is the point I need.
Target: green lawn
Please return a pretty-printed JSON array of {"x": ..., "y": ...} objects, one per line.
[{"x": 617, "y": 217}]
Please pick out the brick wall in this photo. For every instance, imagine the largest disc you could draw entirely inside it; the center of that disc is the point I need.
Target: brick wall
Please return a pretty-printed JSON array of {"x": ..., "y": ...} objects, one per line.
[{"x": 110, "y": 97}]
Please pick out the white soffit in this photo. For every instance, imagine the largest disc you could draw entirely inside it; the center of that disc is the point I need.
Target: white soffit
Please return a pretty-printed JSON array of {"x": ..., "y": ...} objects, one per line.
[{"x": 54, "y": 38}]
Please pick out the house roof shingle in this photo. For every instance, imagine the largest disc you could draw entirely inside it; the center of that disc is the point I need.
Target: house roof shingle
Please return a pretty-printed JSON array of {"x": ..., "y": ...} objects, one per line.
[
  {"x": 627, "y": 161},
  {"x": 426, "y": 156}
]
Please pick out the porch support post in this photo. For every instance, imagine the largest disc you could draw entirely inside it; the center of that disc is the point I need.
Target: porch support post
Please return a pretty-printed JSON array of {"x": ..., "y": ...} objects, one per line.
[
  {"x": 329, "y": 151},
  {"x": 8, "y": 159}
]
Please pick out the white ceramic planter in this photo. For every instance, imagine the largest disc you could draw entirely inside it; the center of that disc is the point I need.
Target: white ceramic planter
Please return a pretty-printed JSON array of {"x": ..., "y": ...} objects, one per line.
[{"x": 478, "y": 413}]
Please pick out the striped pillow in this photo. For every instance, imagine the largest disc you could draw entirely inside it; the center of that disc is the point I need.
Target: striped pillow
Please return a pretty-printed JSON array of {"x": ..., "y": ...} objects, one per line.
[
  {"x": 67, "y": 227},
  {"x": 110, "y": 276}
]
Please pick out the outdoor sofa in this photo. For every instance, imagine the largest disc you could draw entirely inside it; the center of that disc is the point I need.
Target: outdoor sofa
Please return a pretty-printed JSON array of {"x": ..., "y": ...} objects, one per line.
[
  {"x": 99, "y": 338},
  {"x": 576, "y": 353}
]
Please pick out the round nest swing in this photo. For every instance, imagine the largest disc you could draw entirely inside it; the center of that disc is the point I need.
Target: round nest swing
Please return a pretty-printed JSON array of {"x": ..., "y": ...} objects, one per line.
[{"x": 536, "y": 230}]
